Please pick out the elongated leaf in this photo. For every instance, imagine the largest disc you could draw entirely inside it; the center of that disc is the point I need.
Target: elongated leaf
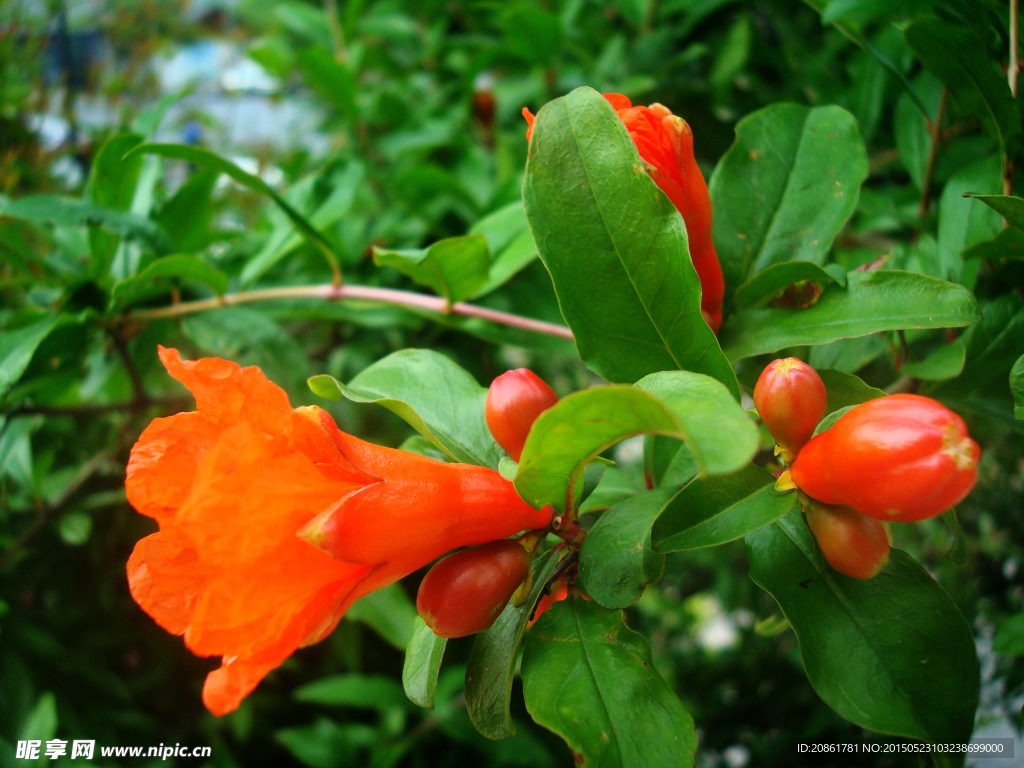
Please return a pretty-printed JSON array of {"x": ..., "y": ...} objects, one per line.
[
  {"x": 992, "y": 348},
  {"x": 687, "y": 406},
  {"x": 1017, "y": 387},
  {"x": 871, "y": 302},
  {"x": 615, "y": 486},
  {"x": 1008, "y": 244},
  {"x": 715, "y": 510},
  {"x": 944, "y": 363},
  {"x": 845, "y": 389},
  {"x": 422, "y": 664},
  {"x": 163, "y": 273},
  {"x": 615, "y": 247},
  {"x": 1010, "y": 208},
  {"x": 510, "y": 241},
  {"x": 17, "y": 347},
  {"x": 616, "y": 560},
  {"x": 891, "y": 654},
  {"x": 957, "y": 55},
  {"x": 435, "y": 396},
  {"x": 786, "y": 187},
  {"x": 187, "y": 215},
  {"x": 963, "y": 223},
  {"x": 455, "y": 268},
  {"x": 207, "y": 159},
  {"x": 1009, "y": 640},
  {"x": 492, "y": 660},
  {"x": 777, "y": 276},
  {"x": 368, "y": 691},
  {"x": 616, "y": 711},
  {"x": 112, "y": 182},
  {"x": 69, "y": 212}
]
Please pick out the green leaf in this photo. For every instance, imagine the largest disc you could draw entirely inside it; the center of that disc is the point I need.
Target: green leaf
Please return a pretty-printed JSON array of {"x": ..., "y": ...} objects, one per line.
[
  {"x": 17, "y": 347},
  {"x": 944, "y": 363},
  {"x": 112, "y": 182},
  {"x": 958, "y": 56},
  {"x": 389, "y": 611},
  {"x": 492, "y": 660},
  {"x": 41, "y": 723},
  {"x": 845, "y": 389},
  {"x": 422, "y": 664},
  {"x": 1010, "y": 208},
  {"x": 187, "y": 215},
  {"x": 614, "y": 486},
  {"x": 69, "y": 212},
  {"x": 1017, "y": 387},
  {"x": 913, "y": 140},
  {"x": 207, "y": 159},
  {"x": 455, "y": 268},
  {"x": 872, "y": 301},
  {"x": 510, "y": 242},
  {"x": 776, "y": 277},
  {"x": 1008, "y": 244},
  {"x": 687, "y": 406},
  {"x": 436, "y": 397},
  {"x": 830, "y": 420},
  {"x": 786, "y": 187},
  {"x": 891, "y": 654},
  {"x": 958, "y": 551},
  {"x": 331, "y": 78},
  {"x": 1009, "y": 640},
  {"x": 618, "y": 712},
  {"x": 162, "y": 274},
  {"x": 715, "y": 510},
  {"x": 363, "y": 691},
  {"x": 616, "y": 560},
  {"x": 615, "y": 247},
  {"x": 962, "y": 223}
]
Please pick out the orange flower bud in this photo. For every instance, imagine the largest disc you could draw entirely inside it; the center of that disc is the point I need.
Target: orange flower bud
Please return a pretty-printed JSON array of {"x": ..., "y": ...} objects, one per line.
[
  {"x": 464, "y": 593},
  {"x": 665, "y": 144},
  {"x": 232, "y": 484},
  {"x": 790, "y": 398},
  {"x": 854, "y": 544},
  {"x": 901, "y": 458},
  {"x": 514, "y": 401}
]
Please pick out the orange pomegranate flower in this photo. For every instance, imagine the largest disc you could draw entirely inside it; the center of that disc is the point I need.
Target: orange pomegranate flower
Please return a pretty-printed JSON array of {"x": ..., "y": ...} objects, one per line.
[
  {"x": 665, "y": 143},
  {"x": 232, "y": 484}
]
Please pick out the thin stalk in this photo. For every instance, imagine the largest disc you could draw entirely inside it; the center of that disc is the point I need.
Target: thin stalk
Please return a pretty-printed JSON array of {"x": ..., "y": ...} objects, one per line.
[
  {"x": 337, "y": 33},
  {"x": 357, "y": 292},
  {"x": 1012, "y": 71},
  {"x": 935, "y": 131}
]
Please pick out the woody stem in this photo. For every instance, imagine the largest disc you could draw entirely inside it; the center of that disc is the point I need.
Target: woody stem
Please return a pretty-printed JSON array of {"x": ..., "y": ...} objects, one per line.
[{"x": 357, "y": 292}]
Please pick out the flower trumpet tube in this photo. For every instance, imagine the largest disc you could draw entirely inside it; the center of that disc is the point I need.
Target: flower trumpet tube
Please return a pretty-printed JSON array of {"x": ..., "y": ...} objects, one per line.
[
  {"x": 665, "y": 144},
  {"x": 233, "y": 483}
]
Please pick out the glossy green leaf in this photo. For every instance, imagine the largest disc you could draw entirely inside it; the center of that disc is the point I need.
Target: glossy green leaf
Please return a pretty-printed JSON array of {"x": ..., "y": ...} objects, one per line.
[
  {"x": 455, "y": 268},
  {"x": 786, "y": 187},
  {"x": 165, "y": 273},
  {"x": 872, "y": 302},
  {"x": 364, "y": 691},
  {"x": 207, "y": 159},
  {"x": 492, "y": 660},
  {"x": 715, "y": 510},
  {"x": 449, "y": 412},
  {"x": 616, "y": 560},
  {"x": 510, "y": 242},
  {"x": 390, "y": 613},
  {"x": 845, "y": 389},
  {"x": 776, "y": 277},
  {"x": 1009, "y": 639},
  {"x": 1010, "y": 208},
  {"x": 830, "y": 420},
  {"x": 958, "y": 56},
  {"x": 422, "y": 664},
  {"x": 615, "y": 247},
  {"x": 944, "y": 363},
  {"x": 17, "y": 347},
  {"x": 848, "y": 355},
  {"x": 70, "y": 212},
  {"x": 1008, "y": 244},
  {"x": 913, "y": 139},
  {"x": 112, "y": 182},
  {"x": 616, "y": 710},
  {"x": 614, "y": 486},
  {"x": 187, "y": 215},
  {"x": 687, "y": 406},
  {"x": 963, "y": 222},
  {"x": 891, "y": 654},
  {"x": 958, "y": 551},
  {"x": 1017, "y": 387}
]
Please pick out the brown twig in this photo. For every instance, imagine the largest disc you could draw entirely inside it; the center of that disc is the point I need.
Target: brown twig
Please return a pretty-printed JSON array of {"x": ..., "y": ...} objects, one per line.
[
  {"x": 356, "y": 292},
  {"x": 935, "y": 131}
]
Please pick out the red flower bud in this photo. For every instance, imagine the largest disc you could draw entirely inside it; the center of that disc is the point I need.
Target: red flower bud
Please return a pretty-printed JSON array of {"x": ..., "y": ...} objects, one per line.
[
  {"x": 791, "y": 399},
  {"x": 854, "y": 544},
  {"x": 900, "y": 458},
  {"x": 514, "y": 401},
  {"x": 665, "y": 144},
  {"x": 464, "y": 593}
]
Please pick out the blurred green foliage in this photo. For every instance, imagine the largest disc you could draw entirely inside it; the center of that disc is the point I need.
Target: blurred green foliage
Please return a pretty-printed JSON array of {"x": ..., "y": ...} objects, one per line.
[{"x": 416, "y": 136}]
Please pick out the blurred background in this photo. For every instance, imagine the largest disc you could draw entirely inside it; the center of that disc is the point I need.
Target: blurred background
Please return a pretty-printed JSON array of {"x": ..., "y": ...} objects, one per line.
[{"x": 392, "y": 123}]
